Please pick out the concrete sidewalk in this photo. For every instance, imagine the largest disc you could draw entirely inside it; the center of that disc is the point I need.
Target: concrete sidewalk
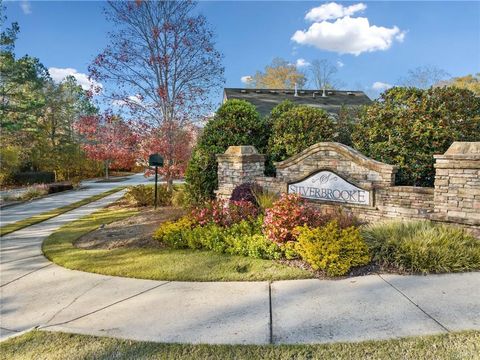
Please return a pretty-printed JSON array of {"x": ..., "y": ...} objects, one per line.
[
  {"x": 37, "y": 293},
  {"x": 25, "y": 210}
]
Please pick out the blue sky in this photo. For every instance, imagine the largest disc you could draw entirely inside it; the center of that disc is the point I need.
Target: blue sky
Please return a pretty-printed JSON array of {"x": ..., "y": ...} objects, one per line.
[{"x": 399, "y": 36}]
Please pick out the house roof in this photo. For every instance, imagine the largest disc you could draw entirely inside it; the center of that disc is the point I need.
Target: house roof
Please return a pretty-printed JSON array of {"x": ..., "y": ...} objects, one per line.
[{"x": 266, "y": 99}]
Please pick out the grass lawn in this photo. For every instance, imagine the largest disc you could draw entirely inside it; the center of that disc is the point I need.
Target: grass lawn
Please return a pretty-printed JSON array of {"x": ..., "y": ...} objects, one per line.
[
  {"x": 157, "y": 264},
  {"x": 7, "y": 229},
  {"x": 53, "y": 345}
]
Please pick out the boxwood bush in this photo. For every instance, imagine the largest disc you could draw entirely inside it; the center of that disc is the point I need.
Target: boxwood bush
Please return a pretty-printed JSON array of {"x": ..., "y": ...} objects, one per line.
[{"x": 422, "y": 247}]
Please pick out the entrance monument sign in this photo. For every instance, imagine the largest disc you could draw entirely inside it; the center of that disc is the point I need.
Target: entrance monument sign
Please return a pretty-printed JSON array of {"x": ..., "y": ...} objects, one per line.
[{"x": 328, "y": 186}]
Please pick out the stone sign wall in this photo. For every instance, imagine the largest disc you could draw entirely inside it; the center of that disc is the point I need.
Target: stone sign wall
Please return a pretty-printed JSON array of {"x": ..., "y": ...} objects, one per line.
[{"x": 332, "y": 174}]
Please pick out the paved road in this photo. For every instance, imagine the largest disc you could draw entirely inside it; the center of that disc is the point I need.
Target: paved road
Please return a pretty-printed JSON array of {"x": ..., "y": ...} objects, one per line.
[
  {"x": 37, "y": 293},
  {"x": 89, "y": 188}
]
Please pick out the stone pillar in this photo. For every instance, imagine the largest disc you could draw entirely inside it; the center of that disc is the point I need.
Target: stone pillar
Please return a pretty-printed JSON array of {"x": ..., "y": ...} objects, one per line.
[
  {"x": 457, "y": 184},
  {"x": 238, "y": 165}
]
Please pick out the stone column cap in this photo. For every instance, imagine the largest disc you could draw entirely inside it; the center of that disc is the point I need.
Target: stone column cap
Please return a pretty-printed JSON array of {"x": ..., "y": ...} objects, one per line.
[
  {"x": 464, "y": 148},
  {"x": 243, "y": 153},
  {"x": 461, "y": 150},
  {"x": 241, "y": 150}
]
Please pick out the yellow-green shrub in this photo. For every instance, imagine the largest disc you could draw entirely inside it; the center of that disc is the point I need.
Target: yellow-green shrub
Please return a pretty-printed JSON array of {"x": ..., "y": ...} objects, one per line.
[
  {"x": 172, "y": 233},
  {"x": 243, "y": 238},
  {"x": 331, "y": 248}
]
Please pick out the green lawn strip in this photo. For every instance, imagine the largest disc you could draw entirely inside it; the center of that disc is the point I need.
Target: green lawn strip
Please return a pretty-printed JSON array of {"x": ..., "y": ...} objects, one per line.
[
  {"x": 157, "y": 264},
  {"x": 57, "y": 345},
  {"x": 7, "y": 229}
]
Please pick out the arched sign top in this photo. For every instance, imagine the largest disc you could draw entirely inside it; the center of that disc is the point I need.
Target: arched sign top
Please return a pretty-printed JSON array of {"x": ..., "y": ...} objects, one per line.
[{"x": 327, "y": 186}]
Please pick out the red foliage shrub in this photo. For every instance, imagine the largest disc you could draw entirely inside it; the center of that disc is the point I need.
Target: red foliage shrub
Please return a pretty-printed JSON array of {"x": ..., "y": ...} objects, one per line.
[
  {"x": 287, "y": 213},
  {"x": 245, "y": 192},
  {"x": 223, "y": 213},
  {"x": 242, "y": 210}
]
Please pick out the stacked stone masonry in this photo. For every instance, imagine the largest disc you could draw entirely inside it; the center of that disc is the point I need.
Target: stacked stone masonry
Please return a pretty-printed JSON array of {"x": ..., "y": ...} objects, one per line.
[
  {"x": 455, "y": 197},
  {"x": 457, "y": 184}
]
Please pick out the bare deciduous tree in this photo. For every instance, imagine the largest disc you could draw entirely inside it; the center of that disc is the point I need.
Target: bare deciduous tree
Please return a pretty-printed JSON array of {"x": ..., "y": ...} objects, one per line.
[
  {"x": 423, "y": 77},
  {"x": 323, "y": 75},
  {"x": 161, "y": 63}
]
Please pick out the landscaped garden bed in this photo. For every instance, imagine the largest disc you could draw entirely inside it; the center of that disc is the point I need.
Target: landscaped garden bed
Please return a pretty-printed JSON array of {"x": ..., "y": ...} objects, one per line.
[
  {"x": 254, "y": 236},
  {"x": 118, "y": 241}
]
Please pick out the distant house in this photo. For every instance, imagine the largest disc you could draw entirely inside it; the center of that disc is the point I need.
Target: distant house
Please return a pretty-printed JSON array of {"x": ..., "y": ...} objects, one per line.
[{"x": 266, "y": 99}]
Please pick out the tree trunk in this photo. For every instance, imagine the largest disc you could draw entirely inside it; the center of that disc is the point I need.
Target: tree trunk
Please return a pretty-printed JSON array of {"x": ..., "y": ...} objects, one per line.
[
  {"x": 170, "y": 184},
  {"x": 107, "y": 163},
  {"x": 169, "y": 176}
]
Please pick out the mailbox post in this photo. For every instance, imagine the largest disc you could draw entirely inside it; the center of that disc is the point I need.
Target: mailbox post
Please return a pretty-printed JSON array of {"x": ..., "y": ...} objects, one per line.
[{"x": 155, "y": 160}]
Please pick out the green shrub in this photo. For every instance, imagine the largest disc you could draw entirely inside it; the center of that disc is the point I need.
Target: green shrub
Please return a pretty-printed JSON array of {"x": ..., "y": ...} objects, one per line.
[
  {"x": 255, "y": 246},
  {"x": 243, "y": 238},
  {"x": 295, "y": 128},
  {"x": 345, "y": 123},
  {"x": 407, "y": 126},
  {"x": 144, "y": 195},
  {"x": 331, "y": 248},
  {"x": 236, "y": 122},
  {"x": 289, "y": 249},
  {"x": 171, "y": 233},
  {"x": 422, "y": 247},
  {"x": 246, "y": 238}
]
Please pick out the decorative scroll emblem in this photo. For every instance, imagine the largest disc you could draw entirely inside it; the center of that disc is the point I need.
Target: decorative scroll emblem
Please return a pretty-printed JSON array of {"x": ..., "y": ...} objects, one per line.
[{"x": 328, "y": 186}]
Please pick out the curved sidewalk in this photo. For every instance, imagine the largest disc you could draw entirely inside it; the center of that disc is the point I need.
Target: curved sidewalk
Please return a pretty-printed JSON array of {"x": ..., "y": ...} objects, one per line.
[
  {"x": 38, "y": 293},
  {"x": 34, "y": 207}
]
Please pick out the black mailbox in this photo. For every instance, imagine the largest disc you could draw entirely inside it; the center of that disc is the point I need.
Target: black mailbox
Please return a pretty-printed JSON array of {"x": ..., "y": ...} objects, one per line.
[{"x": 155, "y": 160}]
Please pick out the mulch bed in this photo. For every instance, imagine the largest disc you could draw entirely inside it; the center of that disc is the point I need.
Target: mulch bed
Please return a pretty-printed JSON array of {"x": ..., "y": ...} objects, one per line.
[{"x": 133, "y": 232}]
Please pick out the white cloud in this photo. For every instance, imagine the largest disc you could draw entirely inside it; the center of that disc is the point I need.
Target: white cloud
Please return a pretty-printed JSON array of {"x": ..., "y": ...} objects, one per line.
[
  {"x": 381, "y": 86},
  {"x": 340, "y": 64},
  {"x": 132, "y": 99},
  {"x": 26, "y": 7},
  {"x": 302, "y": 63},
  {"x": 246, "y": 79},
  {"x": 348, "y": 35},
  {"x": 59, "y": 74},
  {"x": 332, "y": 11}
]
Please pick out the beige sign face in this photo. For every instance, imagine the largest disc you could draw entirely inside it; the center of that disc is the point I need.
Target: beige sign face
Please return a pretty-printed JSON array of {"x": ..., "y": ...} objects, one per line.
[{"x": 328, "y": 186}]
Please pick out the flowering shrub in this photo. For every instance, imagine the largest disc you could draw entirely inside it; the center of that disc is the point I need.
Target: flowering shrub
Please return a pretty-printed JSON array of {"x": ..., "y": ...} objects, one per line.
[
  {"x": 287, "y": 213},
  {"x": 331, "y": 248},
  {"x": 223, "y": 213}
]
